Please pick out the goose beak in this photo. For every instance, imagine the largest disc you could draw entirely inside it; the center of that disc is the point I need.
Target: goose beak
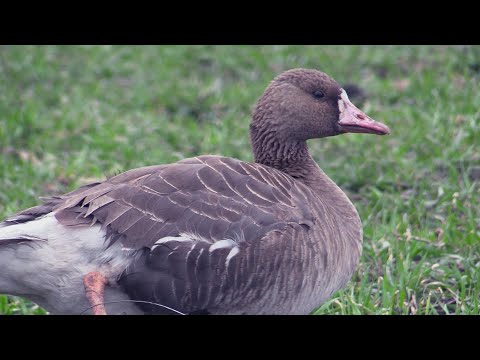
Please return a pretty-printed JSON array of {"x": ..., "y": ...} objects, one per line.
[{"x": 353, "y": 120}]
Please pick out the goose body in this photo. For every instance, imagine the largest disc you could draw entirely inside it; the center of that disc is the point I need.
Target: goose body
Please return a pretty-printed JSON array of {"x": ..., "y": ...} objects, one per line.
[{"x": 209, "y": 234}]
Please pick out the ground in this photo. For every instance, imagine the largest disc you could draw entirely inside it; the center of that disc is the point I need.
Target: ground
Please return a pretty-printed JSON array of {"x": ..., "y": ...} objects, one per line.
[{"x": 72, "y": 115}]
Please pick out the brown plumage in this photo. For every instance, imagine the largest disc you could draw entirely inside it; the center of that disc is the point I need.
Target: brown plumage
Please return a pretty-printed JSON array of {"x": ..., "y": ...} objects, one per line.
[{"x": 214, "y": 234}]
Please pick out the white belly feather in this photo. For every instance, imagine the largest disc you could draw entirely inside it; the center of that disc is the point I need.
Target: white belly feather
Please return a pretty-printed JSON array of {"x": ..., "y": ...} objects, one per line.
[{"x": 50, "y": 270}]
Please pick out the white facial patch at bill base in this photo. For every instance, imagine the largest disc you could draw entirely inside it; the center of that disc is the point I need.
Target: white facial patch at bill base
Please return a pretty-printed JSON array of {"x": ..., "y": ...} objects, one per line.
[{"x": 343, "y": 101}]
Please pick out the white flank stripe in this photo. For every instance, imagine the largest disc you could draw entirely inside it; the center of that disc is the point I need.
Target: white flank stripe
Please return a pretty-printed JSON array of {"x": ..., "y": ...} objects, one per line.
[
  {"x": 171, "y": 238},
  {"x": 222, "y": 244},
  {"x": 231, "y": 254}
]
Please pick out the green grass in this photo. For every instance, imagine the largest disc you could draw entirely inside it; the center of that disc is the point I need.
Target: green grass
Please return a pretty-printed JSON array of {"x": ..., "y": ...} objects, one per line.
[{"x": 69, "y": 115}]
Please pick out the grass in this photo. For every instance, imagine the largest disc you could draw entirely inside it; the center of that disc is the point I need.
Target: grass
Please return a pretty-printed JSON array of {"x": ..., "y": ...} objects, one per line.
[{"x": 69, "y": 115}]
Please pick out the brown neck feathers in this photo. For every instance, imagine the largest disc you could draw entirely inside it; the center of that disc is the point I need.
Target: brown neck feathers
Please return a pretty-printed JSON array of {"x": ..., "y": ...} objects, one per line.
[{"x": 288, "y": 155}]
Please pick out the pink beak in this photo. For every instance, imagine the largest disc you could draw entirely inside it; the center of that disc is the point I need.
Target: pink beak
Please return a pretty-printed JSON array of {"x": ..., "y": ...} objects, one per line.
[{"x": 354, "y": 120}]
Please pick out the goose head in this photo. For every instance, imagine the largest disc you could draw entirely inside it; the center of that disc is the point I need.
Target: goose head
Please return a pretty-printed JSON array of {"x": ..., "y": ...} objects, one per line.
[{"x": 302, "y": 104}]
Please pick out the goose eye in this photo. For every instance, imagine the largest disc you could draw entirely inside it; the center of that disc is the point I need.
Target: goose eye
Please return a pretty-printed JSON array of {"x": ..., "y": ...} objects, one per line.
[{"x": 318, "y": 94}]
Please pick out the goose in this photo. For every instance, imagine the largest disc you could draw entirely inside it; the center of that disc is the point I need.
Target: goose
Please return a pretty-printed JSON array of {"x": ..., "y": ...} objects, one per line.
[{"x": 204, "y": 235}]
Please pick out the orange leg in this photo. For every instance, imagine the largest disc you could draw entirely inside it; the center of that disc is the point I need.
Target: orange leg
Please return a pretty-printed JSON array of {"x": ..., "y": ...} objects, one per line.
[{"x": 94, "y": 289}]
